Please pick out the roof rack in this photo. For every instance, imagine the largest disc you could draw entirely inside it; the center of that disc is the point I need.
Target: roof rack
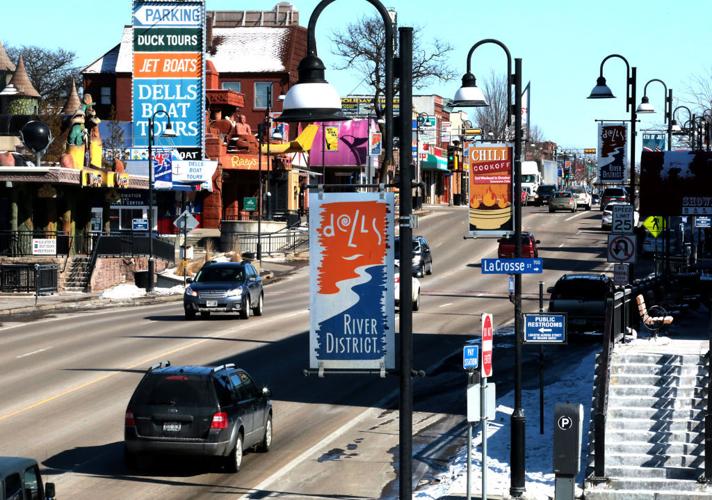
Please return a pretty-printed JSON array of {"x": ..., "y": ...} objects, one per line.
[
  {"x": 224, "y": 367},
  {"x": 160, "y": 364}
]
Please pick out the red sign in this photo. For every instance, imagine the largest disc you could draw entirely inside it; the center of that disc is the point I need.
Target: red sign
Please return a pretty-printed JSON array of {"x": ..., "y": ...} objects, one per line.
[{"x": 487, "y": 335}]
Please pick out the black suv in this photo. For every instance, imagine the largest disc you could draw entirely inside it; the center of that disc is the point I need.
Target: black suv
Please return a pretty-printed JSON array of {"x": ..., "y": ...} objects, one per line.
[
  {"x": 544, "y": 193},
  {"x": 583, "y": 297},
  {"x": 422, "y": 257},
  {"x": 197, "y": 410}
]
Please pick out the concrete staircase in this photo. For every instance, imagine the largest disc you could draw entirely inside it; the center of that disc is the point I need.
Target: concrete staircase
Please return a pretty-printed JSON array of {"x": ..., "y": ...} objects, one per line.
[
  {"x": 654, "y": 428},
  {"x": 78, "y": 275}
]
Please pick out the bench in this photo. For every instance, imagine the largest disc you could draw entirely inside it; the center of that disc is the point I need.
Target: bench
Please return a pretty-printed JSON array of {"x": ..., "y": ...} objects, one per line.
[{"x": 657, "y": 320}]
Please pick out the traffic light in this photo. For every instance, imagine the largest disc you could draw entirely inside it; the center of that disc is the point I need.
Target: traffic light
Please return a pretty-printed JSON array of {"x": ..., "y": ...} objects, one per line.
[{"x": 452, "y": 158}]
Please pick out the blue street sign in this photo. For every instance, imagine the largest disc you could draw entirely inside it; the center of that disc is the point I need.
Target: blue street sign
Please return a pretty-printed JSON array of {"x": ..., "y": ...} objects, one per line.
[
  {"x": 512, "y": 266},
  {"x": 703, "y": 221},
  {"x": 471, "y": 357},
  {"x": 139, "y": 224},
  {"x": 544, "y": 328}
]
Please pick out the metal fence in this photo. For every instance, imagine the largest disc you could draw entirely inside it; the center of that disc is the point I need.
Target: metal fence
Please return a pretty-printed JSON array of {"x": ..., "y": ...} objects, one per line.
[
  {"x": 38, "y": 278},
  {"x": 284, "y": 241}
]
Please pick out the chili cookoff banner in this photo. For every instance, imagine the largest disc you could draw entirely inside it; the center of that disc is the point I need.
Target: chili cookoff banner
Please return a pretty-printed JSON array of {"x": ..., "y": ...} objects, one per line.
[
  {"x": 491, "y": 208},
  {"x": 352, "y": 305},
  {"x": 169, "y": 73},
  {"x": 612, "y": 152}
]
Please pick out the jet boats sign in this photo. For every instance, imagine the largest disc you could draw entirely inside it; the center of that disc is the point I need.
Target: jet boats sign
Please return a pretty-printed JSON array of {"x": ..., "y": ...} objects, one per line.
[{"x": 351, "y": 281}]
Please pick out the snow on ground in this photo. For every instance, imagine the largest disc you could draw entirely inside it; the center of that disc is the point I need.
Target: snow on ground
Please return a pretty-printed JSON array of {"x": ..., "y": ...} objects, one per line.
[
  {"x": 576, "y": 387},
  {"x": 127, "y": 291}
]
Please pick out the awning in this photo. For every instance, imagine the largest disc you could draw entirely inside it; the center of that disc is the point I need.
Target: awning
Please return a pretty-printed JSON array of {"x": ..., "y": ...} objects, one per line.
[{"x": 434, "y": 163}]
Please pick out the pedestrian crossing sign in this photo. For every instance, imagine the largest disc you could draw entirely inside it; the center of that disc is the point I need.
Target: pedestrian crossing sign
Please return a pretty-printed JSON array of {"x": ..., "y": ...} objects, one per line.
[{"x": 655, "y": 224}]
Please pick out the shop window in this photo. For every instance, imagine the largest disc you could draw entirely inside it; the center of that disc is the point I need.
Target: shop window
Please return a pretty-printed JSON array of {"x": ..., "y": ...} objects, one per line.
[
  {"x": 262, "y": 91},
  {"x": 105, "y": 97},
  {"x": 236, "y": 86}
]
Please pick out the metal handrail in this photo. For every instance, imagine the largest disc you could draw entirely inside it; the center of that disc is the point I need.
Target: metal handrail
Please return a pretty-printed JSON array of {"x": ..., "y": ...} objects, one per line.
[{"x": 92, "y": 260}]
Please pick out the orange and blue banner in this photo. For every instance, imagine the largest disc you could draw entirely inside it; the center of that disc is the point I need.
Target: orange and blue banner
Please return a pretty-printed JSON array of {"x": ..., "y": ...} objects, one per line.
[{"x": 352, "y": 306}]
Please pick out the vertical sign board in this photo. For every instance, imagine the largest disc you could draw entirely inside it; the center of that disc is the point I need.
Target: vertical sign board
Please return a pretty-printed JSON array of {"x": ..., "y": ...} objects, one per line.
[
  {"x": 612, "y": 152},
  {"x": 352, "y": 305},
  {"x": 491, "y": 210},
  {"x": 487, "y": 336},
  {"x": 169, "y": 72}
]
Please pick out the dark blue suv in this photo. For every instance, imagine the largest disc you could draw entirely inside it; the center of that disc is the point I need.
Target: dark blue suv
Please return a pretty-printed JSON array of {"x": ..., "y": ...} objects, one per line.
[{"x": 197, "y": 410}]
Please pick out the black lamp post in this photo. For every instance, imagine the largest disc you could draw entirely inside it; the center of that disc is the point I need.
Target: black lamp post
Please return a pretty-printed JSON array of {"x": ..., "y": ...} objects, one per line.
[
  {"x": 469, "y": 95},
  {"x": 601, "y": 91},
  {"x": 646, "y": 107},
  {"x": 265, "y": 125},
  {"x": 312, "y": 99},
  {"x": 168, "y": 132}
]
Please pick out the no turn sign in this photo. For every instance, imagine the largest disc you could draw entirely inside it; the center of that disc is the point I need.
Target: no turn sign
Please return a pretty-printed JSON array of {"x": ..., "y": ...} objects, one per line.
[{"x": 621, "y": 248}]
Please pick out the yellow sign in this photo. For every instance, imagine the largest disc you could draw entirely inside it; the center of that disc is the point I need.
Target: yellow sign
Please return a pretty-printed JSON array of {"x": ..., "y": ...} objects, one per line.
[
  {"x": 589, "y": 151},
  {"x": 655, "y": 224},
  {"x": 117, "y": 179},
  {"x": 93, "y": 178},
  {"x": 331, "y": 135}
]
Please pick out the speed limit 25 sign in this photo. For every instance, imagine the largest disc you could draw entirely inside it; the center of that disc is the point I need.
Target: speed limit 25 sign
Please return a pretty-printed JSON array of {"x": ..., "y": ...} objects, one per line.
[{"x": 622, "y": 220}]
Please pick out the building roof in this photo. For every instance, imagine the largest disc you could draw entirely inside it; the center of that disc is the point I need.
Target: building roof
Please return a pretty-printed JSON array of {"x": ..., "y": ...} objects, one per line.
[
  {"x": 22, "y": 82},
  {"x": 73, "y": 103},
  {"x": 242, "y": 50},
  {"x": 5, "y": 63}
]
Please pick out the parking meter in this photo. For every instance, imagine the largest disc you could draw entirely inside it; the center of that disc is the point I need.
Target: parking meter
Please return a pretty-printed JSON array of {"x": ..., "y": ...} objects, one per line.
[{"x": 568, "y": 431}]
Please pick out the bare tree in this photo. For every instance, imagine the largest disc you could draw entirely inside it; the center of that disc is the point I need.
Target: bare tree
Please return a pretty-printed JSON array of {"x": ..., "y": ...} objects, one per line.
[
  {"x": 699, "y": 92},
  {"x": 50, "y": 70},
  {"x": 362, "y": 48},
  {"x": 492, "y": 120}
]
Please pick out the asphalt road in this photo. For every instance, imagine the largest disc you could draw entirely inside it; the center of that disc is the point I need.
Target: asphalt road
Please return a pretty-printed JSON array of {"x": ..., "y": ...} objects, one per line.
[{"x": 65, "y": 380}]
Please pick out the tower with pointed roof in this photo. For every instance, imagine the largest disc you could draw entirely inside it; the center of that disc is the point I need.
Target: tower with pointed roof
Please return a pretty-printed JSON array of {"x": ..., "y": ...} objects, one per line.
[
  {"x": 7, "y": 67},
  {"x": 23, "y": 98}
]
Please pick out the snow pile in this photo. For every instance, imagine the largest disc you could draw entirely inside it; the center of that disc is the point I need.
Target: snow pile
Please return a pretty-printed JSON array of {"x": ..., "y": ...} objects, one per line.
[
  {"x": 174, "y": 290},
  {"x": 576, "y": 387},
  {"x": 123, "y": 291}
]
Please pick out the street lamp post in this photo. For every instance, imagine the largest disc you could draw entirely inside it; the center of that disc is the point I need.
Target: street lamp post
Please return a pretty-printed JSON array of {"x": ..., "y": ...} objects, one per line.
[
  {"x": 312, "y": 99},
  {"x": 168, "y": 132},
  {"x": 646, "y": 107},
  {"x": 469, "y": 95},
  {"x": 602, "y": 91},
  {"x": 266, "y": 124}
]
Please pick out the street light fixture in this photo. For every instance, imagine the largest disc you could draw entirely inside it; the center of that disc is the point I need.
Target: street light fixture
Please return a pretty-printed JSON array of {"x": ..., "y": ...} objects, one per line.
[
  {"x": 469, "y": 95},
  {"x": 602, "y": 91},
  {"x": 312, "y": 99},
  {"x": 167, "y": 132},
  {"x": 646, "y": 107}
]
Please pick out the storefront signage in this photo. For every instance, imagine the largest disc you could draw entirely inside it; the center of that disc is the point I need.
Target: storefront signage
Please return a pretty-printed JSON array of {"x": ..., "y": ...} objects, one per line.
[
  {"x": 196, "y": 173},
  {"x": 132, "y": 199},
  {"x": 351, "y": 280},
  {"x": 168, "y": 71},
  {"x": 92, "y": 178},
  {"x": 612, "y": 152},
  {"x": 244, "y": 162},
  {"x": 362, "y": 106},
  {"x": 44, "y": 246},
  {"x": 118, "y": 180},
  {"x": 491, "y": 208}
]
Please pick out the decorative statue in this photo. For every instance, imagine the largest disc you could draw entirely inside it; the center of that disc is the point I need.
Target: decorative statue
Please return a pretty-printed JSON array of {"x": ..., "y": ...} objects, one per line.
[
  {"x": 91, "y": 122},
  {"x": 240, "y": 138},
  {"x": 84, "y": 135},
  {"x": 77, "y": 138}
]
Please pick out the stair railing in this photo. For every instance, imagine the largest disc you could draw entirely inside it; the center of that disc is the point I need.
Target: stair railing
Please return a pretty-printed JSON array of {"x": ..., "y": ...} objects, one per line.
[
  {"x": 92, "y": 260},
  {"x": 707, "y": 476}
]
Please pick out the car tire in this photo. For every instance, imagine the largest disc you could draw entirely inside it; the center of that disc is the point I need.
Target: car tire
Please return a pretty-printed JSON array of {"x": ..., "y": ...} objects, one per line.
[
  {"x": 204, "y": 314},
  {"x": 588, "y": 207},
  {"x": 416, "y": 302},
  {"x": 257, "y": 311},
  {"x": 245, "y": 311},
  {"x": 189, "y": 314},
  {"x": 233, "y": 461},
  {"x": 430, "y": 269},
  {"x": 551, "y": 210},
  {"x": 266, "y": 442}
]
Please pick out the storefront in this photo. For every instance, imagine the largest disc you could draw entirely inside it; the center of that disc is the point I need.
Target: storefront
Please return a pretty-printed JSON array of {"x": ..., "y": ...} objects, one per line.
[{"x": 437, "y": 178}]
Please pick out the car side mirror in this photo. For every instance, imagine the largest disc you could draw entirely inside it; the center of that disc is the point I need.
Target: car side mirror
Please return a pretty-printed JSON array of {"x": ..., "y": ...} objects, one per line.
[
  {"x": 189, "y": 280},
  {"x": 49, "y": 491},
  {"x": 266, "y": 392},
  {"x": 550, "y": 289}
]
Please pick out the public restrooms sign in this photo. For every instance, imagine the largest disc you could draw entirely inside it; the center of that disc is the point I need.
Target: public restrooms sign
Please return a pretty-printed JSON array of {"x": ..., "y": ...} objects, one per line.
[
  {"x": 168, "y": 72},
  {"x": 612, "y": 152},
  {"x": 352, "y": 304}
]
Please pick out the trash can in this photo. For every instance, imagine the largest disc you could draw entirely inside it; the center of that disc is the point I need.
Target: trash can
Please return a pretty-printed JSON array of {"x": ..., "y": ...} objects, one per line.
[
  {"x": 457, "y": 199},
  {"x": 141, "y": 279}
]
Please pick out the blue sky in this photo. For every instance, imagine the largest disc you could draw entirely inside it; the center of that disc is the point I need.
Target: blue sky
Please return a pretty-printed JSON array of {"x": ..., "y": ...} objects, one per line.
[{"x": 561, "y": 42}]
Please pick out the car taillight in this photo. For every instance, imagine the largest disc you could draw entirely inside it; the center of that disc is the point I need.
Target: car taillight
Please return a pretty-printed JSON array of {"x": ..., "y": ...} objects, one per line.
[
  {"x": 397, "y": 278},
  {"x": 129, "y": 420},
  {"x": 219, "y": 421}
]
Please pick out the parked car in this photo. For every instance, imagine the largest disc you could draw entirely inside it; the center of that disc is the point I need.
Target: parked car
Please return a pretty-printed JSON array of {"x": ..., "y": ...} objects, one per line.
[
  {"x": 613, "y": 194},
  {"x": 422, "y": 256},
  {"x": 544, "y": 193},
  {"x": 415, "y": 287},
  {"x": 583, "y": 197},
  {"x": 224, "y": 287},
  {"x": 595, "y": 199},
  {"x": 197, "y": 411},
  {"x": 607, "y": 217},
  {"x": 562, "y": 200},
  {"x": 20, "y": 479},
  {"x": 583, "y": 298},
  {"x": 529, "y": 246}
]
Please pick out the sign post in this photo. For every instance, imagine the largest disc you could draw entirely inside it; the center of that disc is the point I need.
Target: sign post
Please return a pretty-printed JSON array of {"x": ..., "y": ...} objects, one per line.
[
  {"x": 470, "y": 362},
  {"x": 622, "y": 221},
  {"x": 487, "y": 341}
]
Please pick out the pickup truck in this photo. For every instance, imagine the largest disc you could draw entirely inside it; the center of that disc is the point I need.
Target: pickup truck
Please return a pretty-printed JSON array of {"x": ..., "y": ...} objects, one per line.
[{"x": 20, "y": 478}]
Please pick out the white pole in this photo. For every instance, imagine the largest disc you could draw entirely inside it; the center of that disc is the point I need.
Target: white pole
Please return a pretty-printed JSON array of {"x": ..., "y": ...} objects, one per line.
[
  {"x": 483, "y": 420},
  {"x": 469, "y": 459}
]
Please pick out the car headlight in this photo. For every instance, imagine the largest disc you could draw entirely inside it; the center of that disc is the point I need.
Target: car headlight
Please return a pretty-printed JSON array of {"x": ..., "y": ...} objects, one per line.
[
  {"x": 191, "y": 292},
  {"x": 235, "y": 292}
]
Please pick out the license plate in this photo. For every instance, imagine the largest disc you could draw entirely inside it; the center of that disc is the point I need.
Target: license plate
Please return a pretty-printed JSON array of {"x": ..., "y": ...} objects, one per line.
[
  {"x": 211, "y": 303},
  {"x": 171, "y": 427}
]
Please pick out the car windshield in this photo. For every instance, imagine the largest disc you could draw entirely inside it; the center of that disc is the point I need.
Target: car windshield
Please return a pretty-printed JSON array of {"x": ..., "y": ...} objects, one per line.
[
  {"x": 546, "y": 189},
  {"x": 580, "y": 289},
  {"x": 563, "y": 194},
  {"x": 220, "y": 274},
  {"x": 529, "y": 178},
  {"x": 614, "y": 192},
  {"x": 174, "y": 390}
]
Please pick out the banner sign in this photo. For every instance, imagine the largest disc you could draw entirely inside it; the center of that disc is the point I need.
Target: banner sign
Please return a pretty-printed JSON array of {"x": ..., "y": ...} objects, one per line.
[
  {"x": 169, "y": 72},
  {"x": 375, "y": 144},
  {"x": 162, "y": 169},
  {"x": 331, "y": 138},
  {"x": 675, "y": 183},
  {"x": 653, "y": 141},
  {"x": 352, "y": 305},
  {"x": 491, "y": 209},
  {"x": 44, "y": 246},
  {"x": 362, "y": 106},
  {"x": 612, "y": 152}
]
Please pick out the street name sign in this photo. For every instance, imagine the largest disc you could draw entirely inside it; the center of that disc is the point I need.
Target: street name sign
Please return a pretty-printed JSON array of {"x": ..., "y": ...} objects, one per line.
[
  {"x": 512, "y": 266},
  {"x": 186, "y": 221},
  {"x": 471, "y": 357},
  {"x": 544, "y": 328},
  {"x": 620, "y": 274},
  {"x": 487, "y": 341},
  {"x": 622, "y": 222},
  {"x": 655, "y": 224},
  {"x": 621, "y": 248}
]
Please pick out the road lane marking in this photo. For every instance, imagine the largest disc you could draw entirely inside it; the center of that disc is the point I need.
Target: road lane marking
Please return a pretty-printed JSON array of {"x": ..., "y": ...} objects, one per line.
[
  {"x": 445, "y": 305},
  {"x": 33, "y": 352},
  {"x": 574, "y": 216},
  {"x": 144, "y": 362}
]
